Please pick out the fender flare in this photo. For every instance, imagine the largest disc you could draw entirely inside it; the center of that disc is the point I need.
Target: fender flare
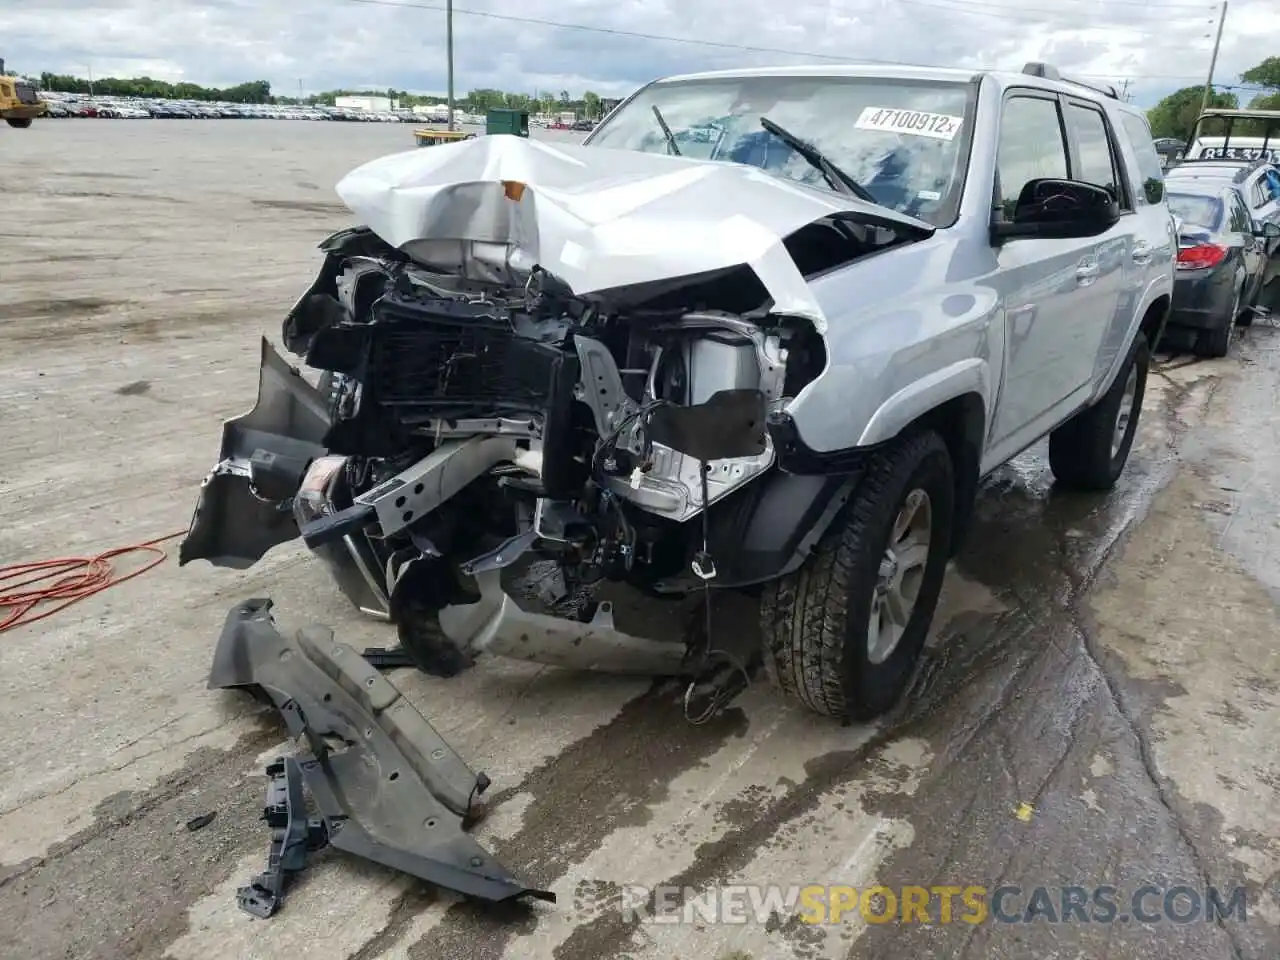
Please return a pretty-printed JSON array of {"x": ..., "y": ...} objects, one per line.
[
  {"x": 928, "y": 393},
  {"x": 769, "y": 528}
]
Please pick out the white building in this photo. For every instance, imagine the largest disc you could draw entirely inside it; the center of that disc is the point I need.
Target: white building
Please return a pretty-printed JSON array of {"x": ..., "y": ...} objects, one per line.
[{"x": 371, "y": 104}]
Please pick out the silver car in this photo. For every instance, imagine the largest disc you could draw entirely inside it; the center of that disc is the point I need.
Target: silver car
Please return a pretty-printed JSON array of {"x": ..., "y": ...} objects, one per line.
[{"x": 761, "y": 334}]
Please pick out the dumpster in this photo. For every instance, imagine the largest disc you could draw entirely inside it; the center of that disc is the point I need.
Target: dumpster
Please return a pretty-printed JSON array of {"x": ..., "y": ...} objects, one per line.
[
  {"x": 514, "y": 122},
  {"x": 427, "y": 137}
]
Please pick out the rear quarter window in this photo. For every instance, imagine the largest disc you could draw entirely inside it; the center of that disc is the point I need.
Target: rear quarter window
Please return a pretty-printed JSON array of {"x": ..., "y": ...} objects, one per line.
[{"x": 1138, "y": 134}]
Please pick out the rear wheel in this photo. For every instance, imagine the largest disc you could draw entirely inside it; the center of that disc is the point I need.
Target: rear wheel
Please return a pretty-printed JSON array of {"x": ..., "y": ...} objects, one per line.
[
  {"x": 843, "y": 634},
  {"x": 20, "y": 124},
  {"x": 1217, "y": 343},
  {"x": 1089, "y": 451}
]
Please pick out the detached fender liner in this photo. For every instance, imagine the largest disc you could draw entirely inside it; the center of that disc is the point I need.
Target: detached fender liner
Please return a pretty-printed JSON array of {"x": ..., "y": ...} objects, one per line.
[{"x": 387, "y": 786}]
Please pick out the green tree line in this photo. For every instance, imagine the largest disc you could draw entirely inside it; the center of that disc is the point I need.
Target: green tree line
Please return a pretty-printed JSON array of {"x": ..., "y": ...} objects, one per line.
[
  {"x": 1175, "y": 115},
  {"x": 255, "y": 91}
]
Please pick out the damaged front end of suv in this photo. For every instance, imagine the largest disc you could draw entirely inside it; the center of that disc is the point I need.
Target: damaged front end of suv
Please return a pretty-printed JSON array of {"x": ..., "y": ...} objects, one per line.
[{"x": 547, "y": 374}]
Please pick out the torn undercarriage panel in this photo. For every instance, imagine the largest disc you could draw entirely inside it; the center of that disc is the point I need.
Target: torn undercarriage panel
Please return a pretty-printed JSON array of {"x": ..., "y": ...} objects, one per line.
[{"x": 386, "y": 785}]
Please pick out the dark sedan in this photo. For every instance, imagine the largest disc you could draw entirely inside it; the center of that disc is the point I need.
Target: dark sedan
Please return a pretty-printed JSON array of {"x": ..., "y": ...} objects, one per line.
[{"x": 1221, "y": 261}]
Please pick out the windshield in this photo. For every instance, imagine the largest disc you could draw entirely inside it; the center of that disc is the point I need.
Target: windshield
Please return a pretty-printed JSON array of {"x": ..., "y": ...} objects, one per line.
[
  {"x": 1196, "y": 210},
  {"x": 905, "y": 141}
]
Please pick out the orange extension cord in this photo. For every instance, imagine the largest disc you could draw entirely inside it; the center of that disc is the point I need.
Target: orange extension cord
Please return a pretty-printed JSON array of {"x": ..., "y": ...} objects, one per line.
[{"x": 73, "y": 579}]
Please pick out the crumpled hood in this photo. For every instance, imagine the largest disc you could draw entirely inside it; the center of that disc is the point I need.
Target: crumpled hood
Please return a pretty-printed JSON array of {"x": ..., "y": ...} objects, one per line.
[{"x": 597, "y": 218}]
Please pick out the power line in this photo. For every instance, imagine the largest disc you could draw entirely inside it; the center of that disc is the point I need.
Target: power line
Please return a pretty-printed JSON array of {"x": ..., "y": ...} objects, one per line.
[
  {"x": 612, "y": 31},
  {"x": 1154, "y": 10},
  {"x": 722, "y": 45},
  {"x": 1015, "y": 13}
]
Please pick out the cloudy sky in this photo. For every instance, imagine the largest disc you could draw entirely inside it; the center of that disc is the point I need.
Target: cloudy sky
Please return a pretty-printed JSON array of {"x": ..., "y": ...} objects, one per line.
[{"x": 1158, "y": 45}]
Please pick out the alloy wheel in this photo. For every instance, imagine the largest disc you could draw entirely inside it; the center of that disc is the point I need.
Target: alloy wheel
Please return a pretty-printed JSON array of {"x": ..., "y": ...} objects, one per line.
[{"x": 901, "y": 575}]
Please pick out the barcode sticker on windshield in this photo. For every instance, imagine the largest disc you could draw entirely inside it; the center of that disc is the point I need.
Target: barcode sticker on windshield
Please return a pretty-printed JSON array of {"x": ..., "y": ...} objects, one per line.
[{"x": 939, "y": 126}]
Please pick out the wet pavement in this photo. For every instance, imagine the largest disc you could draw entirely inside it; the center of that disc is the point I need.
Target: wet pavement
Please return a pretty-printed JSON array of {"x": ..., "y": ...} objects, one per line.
[{"x": 1097, "y": 708}]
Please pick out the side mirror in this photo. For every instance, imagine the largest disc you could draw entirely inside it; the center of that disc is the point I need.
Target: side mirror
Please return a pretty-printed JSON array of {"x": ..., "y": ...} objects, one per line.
[
  {"x": 1268, "y": 230},
  {"x": 1061, "y": 209}
]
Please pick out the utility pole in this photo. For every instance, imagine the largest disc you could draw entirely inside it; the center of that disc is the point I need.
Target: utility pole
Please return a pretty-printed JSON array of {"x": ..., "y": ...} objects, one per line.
[
  {"x": 1213, "y": 60},
  {"x": 299, "y": 90},
  {"x": 91, "y": 79},
  {"x": 448, "y": 33}
]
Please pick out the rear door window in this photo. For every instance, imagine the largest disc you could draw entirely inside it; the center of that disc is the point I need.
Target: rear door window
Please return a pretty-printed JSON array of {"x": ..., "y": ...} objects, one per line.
[{"x": 1097, "y": 156}]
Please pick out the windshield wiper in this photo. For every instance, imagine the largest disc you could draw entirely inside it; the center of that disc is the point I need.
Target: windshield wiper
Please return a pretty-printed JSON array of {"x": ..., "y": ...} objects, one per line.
[
  {"x": 666, "y": 131},
  {"x": 840, "y": 181}
]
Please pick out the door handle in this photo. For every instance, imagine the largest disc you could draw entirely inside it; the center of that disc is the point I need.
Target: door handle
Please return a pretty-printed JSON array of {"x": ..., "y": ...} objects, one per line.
[{"x": 1142, "y": 253}]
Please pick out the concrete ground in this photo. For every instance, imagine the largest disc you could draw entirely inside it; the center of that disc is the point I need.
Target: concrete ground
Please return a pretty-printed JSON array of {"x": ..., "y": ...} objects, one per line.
[{"x": 1098, "y": 707}]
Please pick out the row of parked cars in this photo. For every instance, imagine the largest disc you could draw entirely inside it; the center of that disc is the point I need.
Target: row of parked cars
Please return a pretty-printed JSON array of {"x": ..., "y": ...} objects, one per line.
[
  {"x": 1226, "y": 204},
  {"x": 119, "y": 108}
]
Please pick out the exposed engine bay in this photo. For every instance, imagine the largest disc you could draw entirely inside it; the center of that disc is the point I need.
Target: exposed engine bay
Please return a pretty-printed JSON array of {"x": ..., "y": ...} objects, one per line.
[{"x": 592, "y": 424}]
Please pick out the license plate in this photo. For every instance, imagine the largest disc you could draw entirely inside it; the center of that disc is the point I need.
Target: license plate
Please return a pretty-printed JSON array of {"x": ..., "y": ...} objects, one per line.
[{"x": 1240, "y": 153}]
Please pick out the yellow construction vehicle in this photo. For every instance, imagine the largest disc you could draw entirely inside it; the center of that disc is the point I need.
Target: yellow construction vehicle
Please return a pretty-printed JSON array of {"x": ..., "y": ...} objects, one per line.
[{"x": 19, "y": 104}]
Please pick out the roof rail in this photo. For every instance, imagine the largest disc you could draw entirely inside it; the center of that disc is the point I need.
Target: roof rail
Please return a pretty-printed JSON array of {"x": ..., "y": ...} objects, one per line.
[{"x": 1050, "y": 72}]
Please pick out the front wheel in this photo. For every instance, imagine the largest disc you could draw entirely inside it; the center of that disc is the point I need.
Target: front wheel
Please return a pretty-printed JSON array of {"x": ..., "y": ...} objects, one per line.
[
  {"x": 20, "y": 124},
  {"x": 843, "y": 634},
  {"x": 1089, "y": 451}
]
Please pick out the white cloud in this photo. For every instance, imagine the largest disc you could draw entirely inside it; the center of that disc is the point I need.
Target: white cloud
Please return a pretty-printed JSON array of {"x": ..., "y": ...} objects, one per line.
[{"x": 1158, "y": 46}]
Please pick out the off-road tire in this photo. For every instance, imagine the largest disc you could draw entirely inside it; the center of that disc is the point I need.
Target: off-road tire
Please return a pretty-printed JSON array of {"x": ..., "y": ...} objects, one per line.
[
  {"x": 1217, "y": 343},
  {"x": 1080, "y": 453},
  {"x": 20, "y": 124},
  {"x": 814, "y": 622}
]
